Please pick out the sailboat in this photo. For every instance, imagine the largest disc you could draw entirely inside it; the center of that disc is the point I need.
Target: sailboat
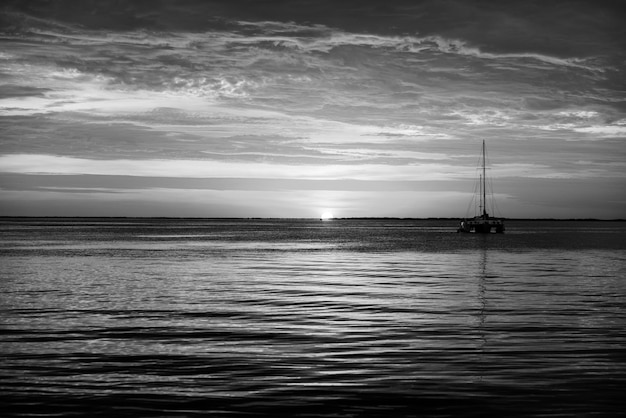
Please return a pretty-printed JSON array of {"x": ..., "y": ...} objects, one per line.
[{"x": 482, "y": 223}]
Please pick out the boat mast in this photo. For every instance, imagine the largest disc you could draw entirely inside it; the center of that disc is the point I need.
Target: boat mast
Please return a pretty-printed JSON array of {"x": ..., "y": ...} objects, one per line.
[{"x": 484, "y": 196}]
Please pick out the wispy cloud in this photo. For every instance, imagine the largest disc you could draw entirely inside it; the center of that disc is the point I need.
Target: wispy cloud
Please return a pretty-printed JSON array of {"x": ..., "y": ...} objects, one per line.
[
  {"x": 170, "y": 95},
  {"x": 47, "y": 164}
]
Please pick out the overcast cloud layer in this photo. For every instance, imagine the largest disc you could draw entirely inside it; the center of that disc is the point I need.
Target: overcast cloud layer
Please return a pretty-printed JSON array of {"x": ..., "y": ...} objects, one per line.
[{"x": 292, "y": 108}]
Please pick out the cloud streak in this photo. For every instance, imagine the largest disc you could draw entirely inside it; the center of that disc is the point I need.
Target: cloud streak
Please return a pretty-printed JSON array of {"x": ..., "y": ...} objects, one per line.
[
  {"x": 208, "y": 90},
  {"x": 46, "y": 164}
]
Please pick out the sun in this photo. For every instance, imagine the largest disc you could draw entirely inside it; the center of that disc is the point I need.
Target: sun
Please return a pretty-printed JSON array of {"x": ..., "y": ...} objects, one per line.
[{"x": 326, "y": 216}]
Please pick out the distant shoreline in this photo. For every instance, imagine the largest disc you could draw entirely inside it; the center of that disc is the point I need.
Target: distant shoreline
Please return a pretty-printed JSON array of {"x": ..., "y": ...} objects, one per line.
[{"x": 306, "y": 219}]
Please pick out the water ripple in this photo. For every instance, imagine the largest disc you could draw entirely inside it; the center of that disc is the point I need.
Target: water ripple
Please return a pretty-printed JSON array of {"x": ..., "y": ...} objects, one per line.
[{"x": 294, "y": 318}]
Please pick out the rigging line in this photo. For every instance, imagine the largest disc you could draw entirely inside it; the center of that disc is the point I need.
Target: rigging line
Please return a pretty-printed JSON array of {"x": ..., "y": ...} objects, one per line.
[
  {"x": 492, "y": 197},
  {"x": 473, "y": 202},
  {"x": 489, "y": 183},
  {"x": 477, "y": 192},
  {"x": 494, "y": 204}
]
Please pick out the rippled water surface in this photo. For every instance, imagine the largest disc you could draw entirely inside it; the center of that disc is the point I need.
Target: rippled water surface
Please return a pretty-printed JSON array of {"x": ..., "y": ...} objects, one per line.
[{"x": 345, "y": 318}]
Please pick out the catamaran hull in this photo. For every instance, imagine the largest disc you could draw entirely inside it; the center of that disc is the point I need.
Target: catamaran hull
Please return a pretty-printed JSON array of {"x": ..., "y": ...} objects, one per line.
[{"x": 482, "y": 226}]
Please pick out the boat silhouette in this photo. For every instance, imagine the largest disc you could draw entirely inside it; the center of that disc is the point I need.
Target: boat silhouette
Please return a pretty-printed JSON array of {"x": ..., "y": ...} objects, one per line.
[{"x": 482, "y": 223}]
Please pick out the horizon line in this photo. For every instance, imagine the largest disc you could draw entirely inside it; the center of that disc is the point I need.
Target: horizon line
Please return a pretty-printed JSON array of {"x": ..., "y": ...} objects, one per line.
[{"x": 300, "y": 218}]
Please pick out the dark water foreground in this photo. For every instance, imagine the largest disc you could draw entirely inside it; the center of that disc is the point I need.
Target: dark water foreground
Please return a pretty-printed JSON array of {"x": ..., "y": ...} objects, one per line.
[{"x": 349, "y": 318}]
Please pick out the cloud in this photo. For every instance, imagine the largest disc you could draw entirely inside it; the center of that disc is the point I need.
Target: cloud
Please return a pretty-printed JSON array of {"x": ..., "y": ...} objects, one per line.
[
  {"x": 47, "y": 164},
  {"x": 12, "y": 91},
  {"x": 212, "y": 91},
  {"x": 603, "y": 131},
  {"x": 327, "y": 40}
]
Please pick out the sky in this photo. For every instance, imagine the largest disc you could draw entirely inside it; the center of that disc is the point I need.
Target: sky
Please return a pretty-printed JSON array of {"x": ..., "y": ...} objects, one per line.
[{"x": 291, "y": 109}]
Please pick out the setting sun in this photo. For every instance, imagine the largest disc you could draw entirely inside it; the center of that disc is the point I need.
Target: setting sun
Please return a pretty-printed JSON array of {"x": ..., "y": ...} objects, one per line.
[{"x": 327, "y": 215}]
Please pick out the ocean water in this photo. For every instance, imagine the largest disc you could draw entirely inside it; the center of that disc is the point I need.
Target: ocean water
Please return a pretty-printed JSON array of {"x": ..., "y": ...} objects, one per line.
[{"x": 304, "y": 318}]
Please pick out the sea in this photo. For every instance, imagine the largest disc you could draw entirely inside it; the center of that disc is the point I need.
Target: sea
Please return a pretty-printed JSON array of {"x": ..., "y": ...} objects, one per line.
[{"x": 128, "y": 317}]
